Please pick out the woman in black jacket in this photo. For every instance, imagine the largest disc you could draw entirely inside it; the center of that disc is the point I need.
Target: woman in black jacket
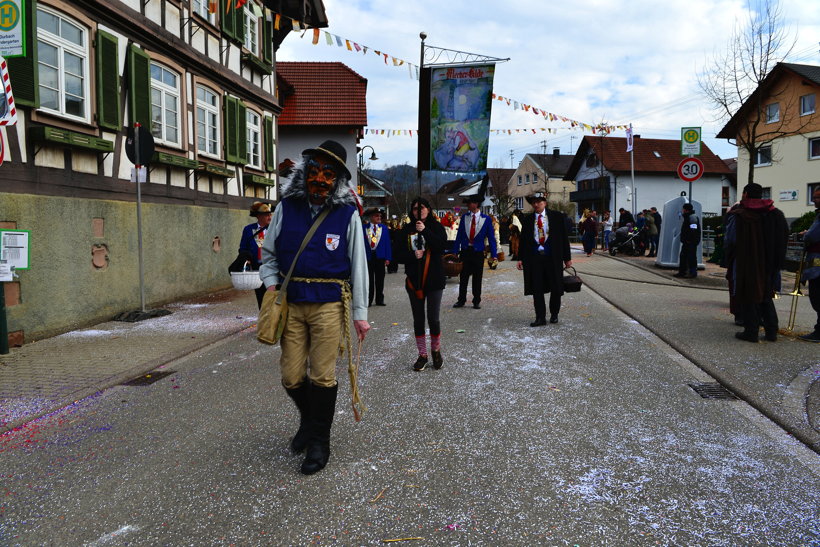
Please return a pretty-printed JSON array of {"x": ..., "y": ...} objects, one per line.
[{"x": 422, "y": 245}]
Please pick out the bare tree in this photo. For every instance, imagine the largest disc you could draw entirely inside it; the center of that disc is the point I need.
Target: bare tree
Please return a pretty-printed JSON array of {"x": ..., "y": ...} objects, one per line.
[
  {"x": 731, "y": 77},
  {"x": 502, "y": 199}
]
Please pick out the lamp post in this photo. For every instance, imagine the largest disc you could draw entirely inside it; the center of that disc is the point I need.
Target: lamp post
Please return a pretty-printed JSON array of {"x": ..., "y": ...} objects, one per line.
[{"x": 361, "y": 165}]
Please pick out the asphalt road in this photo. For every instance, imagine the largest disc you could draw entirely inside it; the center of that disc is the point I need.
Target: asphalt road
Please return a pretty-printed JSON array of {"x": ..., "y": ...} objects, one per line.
[{"x": 581, "y": 433}]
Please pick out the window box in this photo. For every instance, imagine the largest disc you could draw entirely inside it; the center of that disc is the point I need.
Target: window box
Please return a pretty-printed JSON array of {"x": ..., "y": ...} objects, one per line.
[
  {"x": 257, "y": 63},
  {"x": 174, "y": 160},
  {"x": 258, "y": 179},
  {"x": 216, "y": 170},
  {"x": 53, "y": 135}
]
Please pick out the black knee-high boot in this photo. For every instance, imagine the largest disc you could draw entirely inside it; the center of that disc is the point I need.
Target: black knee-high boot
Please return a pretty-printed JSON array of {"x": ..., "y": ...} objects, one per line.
[
  {"x": 300, "y": 396},
  {"x": 322, "y": 402}
]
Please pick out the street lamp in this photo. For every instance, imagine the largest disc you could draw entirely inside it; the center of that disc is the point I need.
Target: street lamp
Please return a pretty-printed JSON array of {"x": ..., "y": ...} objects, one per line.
[{"x": 361, "y": 156}]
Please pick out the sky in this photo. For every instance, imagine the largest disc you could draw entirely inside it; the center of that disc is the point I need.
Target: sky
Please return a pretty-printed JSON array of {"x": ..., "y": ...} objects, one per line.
[{"x": 592, "y": 61}]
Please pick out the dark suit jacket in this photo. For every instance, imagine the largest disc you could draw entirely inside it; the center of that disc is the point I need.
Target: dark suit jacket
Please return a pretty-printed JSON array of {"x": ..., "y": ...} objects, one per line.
[{"x": 559, "y": 248}]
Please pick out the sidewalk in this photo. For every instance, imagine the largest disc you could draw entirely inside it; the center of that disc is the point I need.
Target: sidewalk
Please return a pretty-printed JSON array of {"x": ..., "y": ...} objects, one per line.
[
  {"x": 692, "y": 315},
  {"x": 49, "y": 374}
]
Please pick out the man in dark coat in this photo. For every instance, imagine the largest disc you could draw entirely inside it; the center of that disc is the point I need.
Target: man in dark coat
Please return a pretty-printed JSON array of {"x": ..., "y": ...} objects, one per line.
[
  {"x": 544, "y": 253},
  {"x": 755, "y": 242},
  {"x": 811, "y": 269},
  {"x": 689, "y": 241},
  {"x": 625, "y": 217}
]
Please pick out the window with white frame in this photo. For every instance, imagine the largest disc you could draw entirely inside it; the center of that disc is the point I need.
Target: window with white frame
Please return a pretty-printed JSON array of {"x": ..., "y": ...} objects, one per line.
[
  {"x": 206, "y": 9},
  {"x": 254, "y": 139},
  {"x": 814, "y": 148},
  {"x": 519, "y": 180},
  {"x": 772, "y": 112},
  {"x": 207, "y": 121},
  {"x": 165, "y": 105},
  {"x": 763, "y": 155},
  {"x": 519, "y": 203},
  {"x": 534, "y": 178},
  {"x": 807, "y": 104},
  {"x": 251, "y": 22},
  {"x": 767, "y": 192},
  {"x": 526, "y": 179},
  {"x": 62, "y": 61}
]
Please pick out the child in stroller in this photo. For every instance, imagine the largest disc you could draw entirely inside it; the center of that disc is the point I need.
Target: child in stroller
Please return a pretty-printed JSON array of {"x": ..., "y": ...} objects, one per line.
[{"x": 629, "y": 241}]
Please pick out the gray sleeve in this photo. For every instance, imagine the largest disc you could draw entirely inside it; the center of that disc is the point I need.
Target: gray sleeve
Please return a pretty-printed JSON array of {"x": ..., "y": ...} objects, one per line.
[
  {"x": 269, "y": 270},
  {"x": 358, "y": 267}
]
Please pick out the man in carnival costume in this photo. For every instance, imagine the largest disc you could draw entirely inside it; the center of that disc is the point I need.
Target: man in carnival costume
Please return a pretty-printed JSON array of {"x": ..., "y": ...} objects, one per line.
[{"x": 320, "y": 185}]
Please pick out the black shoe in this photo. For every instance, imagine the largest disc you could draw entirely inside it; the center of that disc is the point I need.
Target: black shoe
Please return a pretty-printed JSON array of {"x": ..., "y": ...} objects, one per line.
[
  {"x": 322, "y": 408},
  {"x": 380, "y": 304},
  {"x": 811, "y": 337},
  {"x": 420, "y": 363},
  {"x": 458, "y": 304},
  {"x": 771, "y": 336},
  {"x": 749, "y": 337},
  {"x": 437, "y": 360},
  {"x": 679, "y": 275},
  {"x": 539, "y": 322},
  {"x": 476, "y": 306},
  {"x": 554, "y": 318}
]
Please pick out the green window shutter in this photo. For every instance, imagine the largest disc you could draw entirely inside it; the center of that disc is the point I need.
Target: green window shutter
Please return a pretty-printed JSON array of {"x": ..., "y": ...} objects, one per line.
[
  {"x": 270, "y": 145},
  {"x": 239, "y": 24},
  {"x": 108, "y": 81},
  {"x": 241, "y": 132},
  {"x": 227, "y": 13},
  {"x": 267, "y": 41},
  {"x": 139, "y": 92},
  {"x": 23, "y": 71},
  {"x": 231, "y": 144}
]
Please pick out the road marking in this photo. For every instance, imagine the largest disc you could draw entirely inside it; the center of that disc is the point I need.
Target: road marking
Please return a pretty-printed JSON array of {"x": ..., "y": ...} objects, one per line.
[{"x": 127, "y": 529}]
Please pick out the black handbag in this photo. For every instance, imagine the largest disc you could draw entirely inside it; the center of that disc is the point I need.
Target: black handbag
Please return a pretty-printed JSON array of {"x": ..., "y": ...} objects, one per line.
[{"x": 572, "y": 283}]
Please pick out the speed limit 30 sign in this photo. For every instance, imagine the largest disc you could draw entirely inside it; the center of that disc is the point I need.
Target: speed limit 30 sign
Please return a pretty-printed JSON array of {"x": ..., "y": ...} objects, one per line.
[{"x": 690, "y": 169}]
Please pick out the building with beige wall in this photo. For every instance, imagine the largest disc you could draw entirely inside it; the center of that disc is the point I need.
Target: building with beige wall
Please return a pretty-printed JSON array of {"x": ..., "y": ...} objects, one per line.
[
  {"x": 783, "y": 113},
  {"x": 541, "y": 173}
]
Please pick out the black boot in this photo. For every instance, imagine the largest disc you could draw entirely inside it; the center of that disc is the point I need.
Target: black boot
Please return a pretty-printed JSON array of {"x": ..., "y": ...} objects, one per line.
[
  {"x": 322, "y": 403},
  {"x": 300, "y": 396}
]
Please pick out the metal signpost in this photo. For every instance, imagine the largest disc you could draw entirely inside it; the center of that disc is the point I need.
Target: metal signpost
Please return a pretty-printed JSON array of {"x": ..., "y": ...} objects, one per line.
[
  {"x": 690, "y": 170},
  {"x": 139, "y": 147}
]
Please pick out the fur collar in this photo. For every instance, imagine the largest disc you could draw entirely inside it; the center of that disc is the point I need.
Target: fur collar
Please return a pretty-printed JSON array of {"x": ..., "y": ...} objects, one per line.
[{"x": 343, "y": 192}]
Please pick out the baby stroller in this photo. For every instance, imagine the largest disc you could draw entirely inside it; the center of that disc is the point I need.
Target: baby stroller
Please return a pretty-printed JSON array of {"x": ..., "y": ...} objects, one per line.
[{"x": 628, "y": 241}]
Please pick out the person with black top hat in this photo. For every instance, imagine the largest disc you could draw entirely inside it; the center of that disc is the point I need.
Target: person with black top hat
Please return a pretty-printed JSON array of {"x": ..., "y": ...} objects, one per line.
[
  {"x": 544, "y": 253},
  {"x": 250, "y": 246},
  {"x": 423, "y": 242},
  {"x": 474, "y": 228},
  {"x": 330, "y": 277},
  {"x": 380, "y": 253}
]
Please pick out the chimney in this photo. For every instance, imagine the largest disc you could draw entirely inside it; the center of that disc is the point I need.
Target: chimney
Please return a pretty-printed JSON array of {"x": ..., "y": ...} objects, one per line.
[{"x": 556, "y": 153}]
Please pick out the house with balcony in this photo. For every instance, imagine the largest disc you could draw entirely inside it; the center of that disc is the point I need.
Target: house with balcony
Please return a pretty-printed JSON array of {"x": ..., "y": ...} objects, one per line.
[
  {"x": 541, "y": 173},
  {"x": 781, "y": 121},
  {"x": 313, "y": 112},
  {"x": 198, "y": 75},
  {"x": 602, "y": 171}
]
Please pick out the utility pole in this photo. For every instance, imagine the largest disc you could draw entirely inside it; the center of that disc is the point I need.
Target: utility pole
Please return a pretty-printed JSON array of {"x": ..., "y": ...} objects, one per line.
[
  {"x": 571, "y": 138},
  {"x": 512, "y": 156},
  {"x": 544, "y": 147}
]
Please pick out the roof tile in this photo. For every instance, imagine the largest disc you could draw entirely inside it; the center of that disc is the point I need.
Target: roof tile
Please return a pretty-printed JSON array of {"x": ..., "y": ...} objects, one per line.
[{"x": 321, "y": 93}]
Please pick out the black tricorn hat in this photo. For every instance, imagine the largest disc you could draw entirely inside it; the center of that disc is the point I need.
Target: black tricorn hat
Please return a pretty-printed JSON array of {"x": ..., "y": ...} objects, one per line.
[
  {"x": 537, "y": 196},
  {"x": 336, "y": 152},
  {"x": 475, "y": 198},
  {"x": 373, "y": 211}
]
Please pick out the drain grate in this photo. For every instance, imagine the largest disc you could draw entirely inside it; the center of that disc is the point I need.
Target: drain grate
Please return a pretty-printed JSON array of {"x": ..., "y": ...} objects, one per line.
[
  {"x": 148, "y": 379},
  {"x": 713, "y": 391}
]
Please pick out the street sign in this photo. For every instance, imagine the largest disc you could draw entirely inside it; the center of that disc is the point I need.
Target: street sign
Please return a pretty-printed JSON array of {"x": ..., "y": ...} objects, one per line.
[
  {"x": 690, "y": 169},
  {"x": 139, "y": 136},
  {"x": 12, "y": 28},
  {"x": 690, "y": 141}
]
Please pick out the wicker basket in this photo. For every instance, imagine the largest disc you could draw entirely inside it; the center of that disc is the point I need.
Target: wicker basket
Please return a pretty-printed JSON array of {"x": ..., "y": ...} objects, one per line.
[
  {"x": 452, "y": 265},
  {"x": 246, "y": 281}
]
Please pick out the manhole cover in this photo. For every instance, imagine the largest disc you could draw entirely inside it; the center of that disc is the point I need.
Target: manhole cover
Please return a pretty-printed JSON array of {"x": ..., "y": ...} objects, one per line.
[
  {"x": 148, "y": 379},
  {"x": 713, "y": 391}
]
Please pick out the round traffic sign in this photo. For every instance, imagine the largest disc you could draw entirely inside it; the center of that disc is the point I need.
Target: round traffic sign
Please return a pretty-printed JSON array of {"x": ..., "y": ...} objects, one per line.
[{"x": 690, "y": 169}]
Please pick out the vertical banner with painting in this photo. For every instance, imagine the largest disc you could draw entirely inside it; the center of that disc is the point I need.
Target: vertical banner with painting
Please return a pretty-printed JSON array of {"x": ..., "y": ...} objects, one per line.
[{"x": 460, "y": 105}]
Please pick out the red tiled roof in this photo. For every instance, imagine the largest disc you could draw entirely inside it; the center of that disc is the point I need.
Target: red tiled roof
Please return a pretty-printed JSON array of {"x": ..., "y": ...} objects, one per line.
[
  {"x": 651, "y": 156},
  {"x": 321, "y": 94}
]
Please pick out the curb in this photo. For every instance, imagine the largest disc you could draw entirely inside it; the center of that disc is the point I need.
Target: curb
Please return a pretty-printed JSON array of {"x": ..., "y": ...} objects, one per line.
[{"x": 111, "y": 381}]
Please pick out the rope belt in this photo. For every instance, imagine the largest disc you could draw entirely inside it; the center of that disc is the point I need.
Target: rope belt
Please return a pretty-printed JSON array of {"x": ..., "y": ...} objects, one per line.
[{"x": 345, "y": 343}]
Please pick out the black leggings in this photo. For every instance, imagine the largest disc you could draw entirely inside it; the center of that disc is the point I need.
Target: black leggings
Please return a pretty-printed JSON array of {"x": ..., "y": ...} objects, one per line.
[{"x": 433, "y": 299}]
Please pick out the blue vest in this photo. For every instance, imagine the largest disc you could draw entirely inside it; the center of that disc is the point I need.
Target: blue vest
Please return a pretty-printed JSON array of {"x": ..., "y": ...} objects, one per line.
[{"x": 325, "y": 255}]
